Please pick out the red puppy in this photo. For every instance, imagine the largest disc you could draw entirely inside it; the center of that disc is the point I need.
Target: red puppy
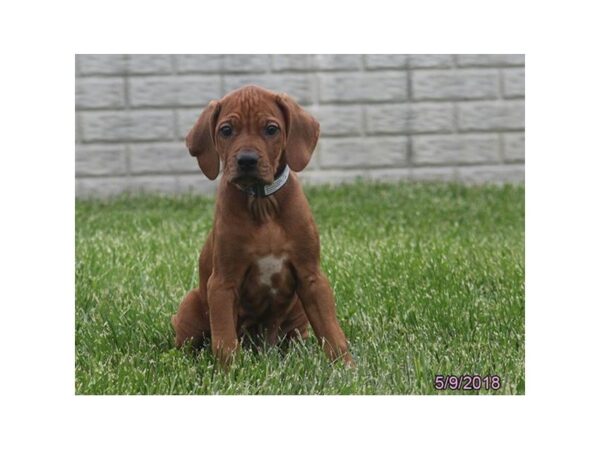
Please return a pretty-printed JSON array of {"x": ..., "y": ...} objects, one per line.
[{"x": 260, "y": 267}]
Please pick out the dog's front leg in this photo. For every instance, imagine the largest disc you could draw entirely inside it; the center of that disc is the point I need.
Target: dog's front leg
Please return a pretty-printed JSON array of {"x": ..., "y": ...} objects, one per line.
[
  {"x": 318, "y": 301},
  {"x": 223, "y": 319}
]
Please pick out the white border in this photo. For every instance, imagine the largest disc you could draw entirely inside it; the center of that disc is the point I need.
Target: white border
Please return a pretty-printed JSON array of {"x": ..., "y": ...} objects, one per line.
[{"x": 37, "y": 230}]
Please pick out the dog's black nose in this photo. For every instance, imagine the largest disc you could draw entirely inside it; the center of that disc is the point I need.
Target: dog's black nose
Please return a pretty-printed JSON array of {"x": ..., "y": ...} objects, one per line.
[{"x": 247, "y": 160}]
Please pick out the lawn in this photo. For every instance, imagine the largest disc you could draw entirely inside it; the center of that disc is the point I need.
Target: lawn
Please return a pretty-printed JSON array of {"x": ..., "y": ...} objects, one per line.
[{"x": 429, "y": 280}]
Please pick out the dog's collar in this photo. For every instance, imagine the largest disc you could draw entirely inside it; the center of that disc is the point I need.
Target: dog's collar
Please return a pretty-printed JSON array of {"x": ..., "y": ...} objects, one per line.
[{"x": 269, "y": 189}]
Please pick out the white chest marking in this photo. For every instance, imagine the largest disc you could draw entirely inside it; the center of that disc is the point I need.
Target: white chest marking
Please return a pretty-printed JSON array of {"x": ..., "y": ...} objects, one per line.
[{"x": 267, "y": 267}]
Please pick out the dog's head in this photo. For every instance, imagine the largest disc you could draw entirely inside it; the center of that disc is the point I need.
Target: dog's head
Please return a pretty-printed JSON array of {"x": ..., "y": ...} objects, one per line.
[{"x": 252, "y": 131}]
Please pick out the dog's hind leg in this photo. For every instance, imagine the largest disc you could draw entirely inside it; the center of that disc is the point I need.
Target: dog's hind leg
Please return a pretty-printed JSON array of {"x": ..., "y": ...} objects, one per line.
[
  {"x": 191, "y": 322},
  {"x": 296, "y": 324}
]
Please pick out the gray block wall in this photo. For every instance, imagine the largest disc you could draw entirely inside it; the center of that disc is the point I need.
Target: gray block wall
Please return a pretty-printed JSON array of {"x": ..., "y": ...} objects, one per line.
[{"x": 383, "y": 117}]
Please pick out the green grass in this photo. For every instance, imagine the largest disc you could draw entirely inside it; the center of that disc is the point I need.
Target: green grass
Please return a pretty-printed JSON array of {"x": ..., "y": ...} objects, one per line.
[{"x": 429, "y": 279}]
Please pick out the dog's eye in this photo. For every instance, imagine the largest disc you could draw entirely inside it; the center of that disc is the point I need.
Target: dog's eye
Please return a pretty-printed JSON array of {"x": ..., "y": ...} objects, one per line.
[
  {"x": 271, "y": 129},
  {"x": 226, "y": 131}
]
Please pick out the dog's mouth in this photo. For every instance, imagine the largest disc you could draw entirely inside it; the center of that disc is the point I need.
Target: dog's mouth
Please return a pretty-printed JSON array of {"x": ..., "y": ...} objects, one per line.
[{"x": 246, "y": 180}]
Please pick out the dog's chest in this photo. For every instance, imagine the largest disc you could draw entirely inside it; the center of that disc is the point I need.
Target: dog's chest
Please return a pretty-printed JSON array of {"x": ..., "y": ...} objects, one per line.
[{"x": 268, "y": 286}]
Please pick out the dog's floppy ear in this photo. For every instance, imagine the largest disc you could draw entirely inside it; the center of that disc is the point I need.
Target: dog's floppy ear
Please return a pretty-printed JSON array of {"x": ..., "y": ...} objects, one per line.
[
  {"x": 200, "y": 140},
  {"x": 302, "y": 132}
]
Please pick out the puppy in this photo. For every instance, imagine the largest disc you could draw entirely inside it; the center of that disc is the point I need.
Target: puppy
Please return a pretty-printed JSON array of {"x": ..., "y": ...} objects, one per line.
[{"x": 260, "y": 271}]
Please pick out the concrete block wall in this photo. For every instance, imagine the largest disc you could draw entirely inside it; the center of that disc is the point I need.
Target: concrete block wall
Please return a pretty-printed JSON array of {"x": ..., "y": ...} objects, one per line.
[{"x": 383, "y": 117}]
